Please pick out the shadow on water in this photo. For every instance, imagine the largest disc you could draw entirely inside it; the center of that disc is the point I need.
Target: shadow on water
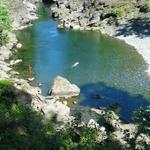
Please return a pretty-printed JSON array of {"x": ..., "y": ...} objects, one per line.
[
  {"x": 106, "y": 96},
  {"x": 138, "y": 26}
]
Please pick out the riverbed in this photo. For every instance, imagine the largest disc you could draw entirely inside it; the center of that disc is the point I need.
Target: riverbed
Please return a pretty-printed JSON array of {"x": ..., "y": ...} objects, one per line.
[{"x": 98, "y": 64}]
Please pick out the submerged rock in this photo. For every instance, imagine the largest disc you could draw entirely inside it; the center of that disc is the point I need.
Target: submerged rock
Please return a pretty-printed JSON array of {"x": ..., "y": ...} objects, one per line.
[{"x": 61, "y": 87}]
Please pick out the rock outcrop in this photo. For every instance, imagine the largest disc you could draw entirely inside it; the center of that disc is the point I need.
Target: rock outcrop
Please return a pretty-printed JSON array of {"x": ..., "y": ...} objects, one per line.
[
  {"x": 125, "y": 133},
  {"x": 23, "y": 12},
  {"x": 5, "y": 54},
  {"x": 61, "y": 87},
  {"x": 96, "y": 14},
  {"x": 142, "y": 141}
]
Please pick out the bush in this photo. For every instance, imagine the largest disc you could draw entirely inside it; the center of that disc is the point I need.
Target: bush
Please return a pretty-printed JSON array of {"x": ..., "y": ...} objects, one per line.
[
  {"x": 88, "y": 139},
  {"x": 147, "y": 7},
  {"x": 5, "y": 84},
  {"x": 4, "y": 15},
  {"x": 142, "y": 118},
  {"x": 21, "y": 127},
  {"x": 119, "y": 11},
  {"x": 4, "y": 20}
]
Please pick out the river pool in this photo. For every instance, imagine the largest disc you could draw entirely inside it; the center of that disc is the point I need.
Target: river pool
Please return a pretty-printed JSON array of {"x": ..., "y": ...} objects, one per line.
[{"x": 106, "y": 66}]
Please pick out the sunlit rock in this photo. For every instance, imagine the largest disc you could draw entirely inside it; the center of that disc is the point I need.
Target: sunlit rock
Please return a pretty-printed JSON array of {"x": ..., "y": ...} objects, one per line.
[{"x": 61, "y": 87}]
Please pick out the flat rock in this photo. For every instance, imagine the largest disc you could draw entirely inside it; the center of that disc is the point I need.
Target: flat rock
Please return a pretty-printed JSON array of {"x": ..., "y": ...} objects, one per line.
[{"x": 61, "y": 87}]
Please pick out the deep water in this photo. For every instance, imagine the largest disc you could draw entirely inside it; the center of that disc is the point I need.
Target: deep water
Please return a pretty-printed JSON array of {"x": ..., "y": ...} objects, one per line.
[{"x": 109, "y": 71}]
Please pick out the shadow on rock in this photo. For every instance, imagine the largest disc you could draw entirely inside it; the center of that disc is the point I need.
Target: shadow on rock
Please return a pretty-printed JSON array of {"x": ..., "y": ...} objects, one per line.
[{"x": 137, "y": 26}]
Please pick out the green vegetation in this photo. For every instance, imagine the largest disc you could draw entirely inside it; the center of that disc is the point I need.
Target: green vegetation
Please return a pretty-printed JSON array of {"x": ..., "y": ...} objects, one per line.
[
  {"x": 20, "y": 127},
  {"x": 4, "y": 21},
  {"x": 120, "y": 11},
  {"x": 23, "y": 128},
  {"x": 147, "y": 7},
  {"x": 20, "y": 124},
  {"x": 5, "y": 84},
  {"x": 142, "y": 117}
]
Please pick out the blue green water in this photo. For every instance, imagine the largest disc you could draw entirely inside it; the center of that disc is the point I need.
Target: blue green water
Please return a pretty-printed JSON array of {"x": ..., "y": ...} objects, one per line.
[{"x": 107, "y": 66}]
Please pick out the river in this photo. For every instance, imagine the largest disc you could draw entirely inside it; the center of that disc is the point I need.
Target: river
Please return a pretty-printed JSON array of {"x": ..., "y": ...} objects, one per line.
[{"x": 106, "y": 66}]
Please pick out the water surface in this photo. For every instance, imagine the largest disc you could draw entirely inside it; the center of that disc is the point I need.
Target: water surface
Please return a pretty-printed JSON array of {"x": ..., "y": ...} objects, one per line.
[{"x": 107, "y": 66}]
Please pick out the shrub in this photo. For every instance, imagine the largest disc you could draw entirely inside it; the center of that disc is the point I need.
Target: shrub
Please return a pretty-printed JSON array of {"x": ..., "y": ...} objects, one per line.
[
  {"x": 5, "y": 84},
  {"x": 147, "y": 7},
  {"x": 88, "y": 139},
  {"x": 4, "y": 15},
  {"x": 142, "y": 118},
  {"x": 19, "y": 124},
  {"x": 119, "y": 11},
  {"x": 4, "y": 20}
]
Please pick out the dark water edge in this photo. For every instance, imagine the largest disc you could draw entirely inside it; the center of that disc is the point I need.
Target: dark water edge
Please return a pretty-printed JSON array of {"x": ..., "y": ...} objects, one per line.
[{"x": 107, "y": 67}]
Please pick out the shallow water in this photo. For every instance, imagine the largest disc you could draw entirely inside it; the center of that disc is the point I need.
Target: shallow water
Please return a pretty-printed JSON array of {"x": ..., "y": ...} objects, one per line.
[{"x": 107, "y": 66}]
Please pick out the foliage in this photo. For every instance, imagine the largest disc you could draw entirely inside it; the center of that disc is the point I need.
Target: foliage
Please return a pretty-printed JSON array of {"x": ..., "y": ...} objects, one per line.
[
  {"x": 4, "y": 20},
  {"x": 4, "y": 15},
  {"x": 5, "y": 84},
  {"x": 20, "y": 124},
  {"x": 3, "y": 38},
  {"x": 142, "y": 118},
  {"x": 63, "y": 140},
  {"x": 120, "y": 11},
  {"x": 88, "y": 139},
  {"x": 147, "y": 7}
]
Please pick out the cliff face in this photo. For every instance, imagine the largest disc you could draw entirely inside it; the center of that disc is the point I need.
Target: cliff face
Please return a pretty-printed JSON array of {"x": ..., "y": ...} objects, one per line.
[{"x": 97, "y": 14}]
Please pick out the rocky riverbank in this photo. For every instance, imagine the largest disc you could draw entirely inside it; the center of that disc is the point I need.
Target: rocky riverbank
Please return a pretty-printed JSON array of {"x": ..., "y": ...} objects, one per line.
[
  {"x": 125, "y": 20},
  {"x": 50, "y": 106},
  {"x": 22, "y": 15}
]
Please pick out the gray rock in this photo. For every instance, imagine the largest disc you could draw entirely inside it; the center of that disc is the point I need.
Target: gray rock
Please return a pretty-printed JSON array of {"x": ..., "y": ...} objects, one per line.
[
  {"x": 120, "y": 129},
  {"x": 61, "y": 87},
  {"x": 26, "y": 11},
  {"x": 142, "y": 142},
  {"x": 15, "y": 62}
]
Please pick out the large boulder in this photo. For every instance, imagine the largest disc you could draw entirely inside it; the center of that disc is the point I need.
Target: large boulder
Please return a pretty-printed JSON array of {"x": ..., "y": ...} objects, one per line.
[{"x": 61, "y": 87}]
